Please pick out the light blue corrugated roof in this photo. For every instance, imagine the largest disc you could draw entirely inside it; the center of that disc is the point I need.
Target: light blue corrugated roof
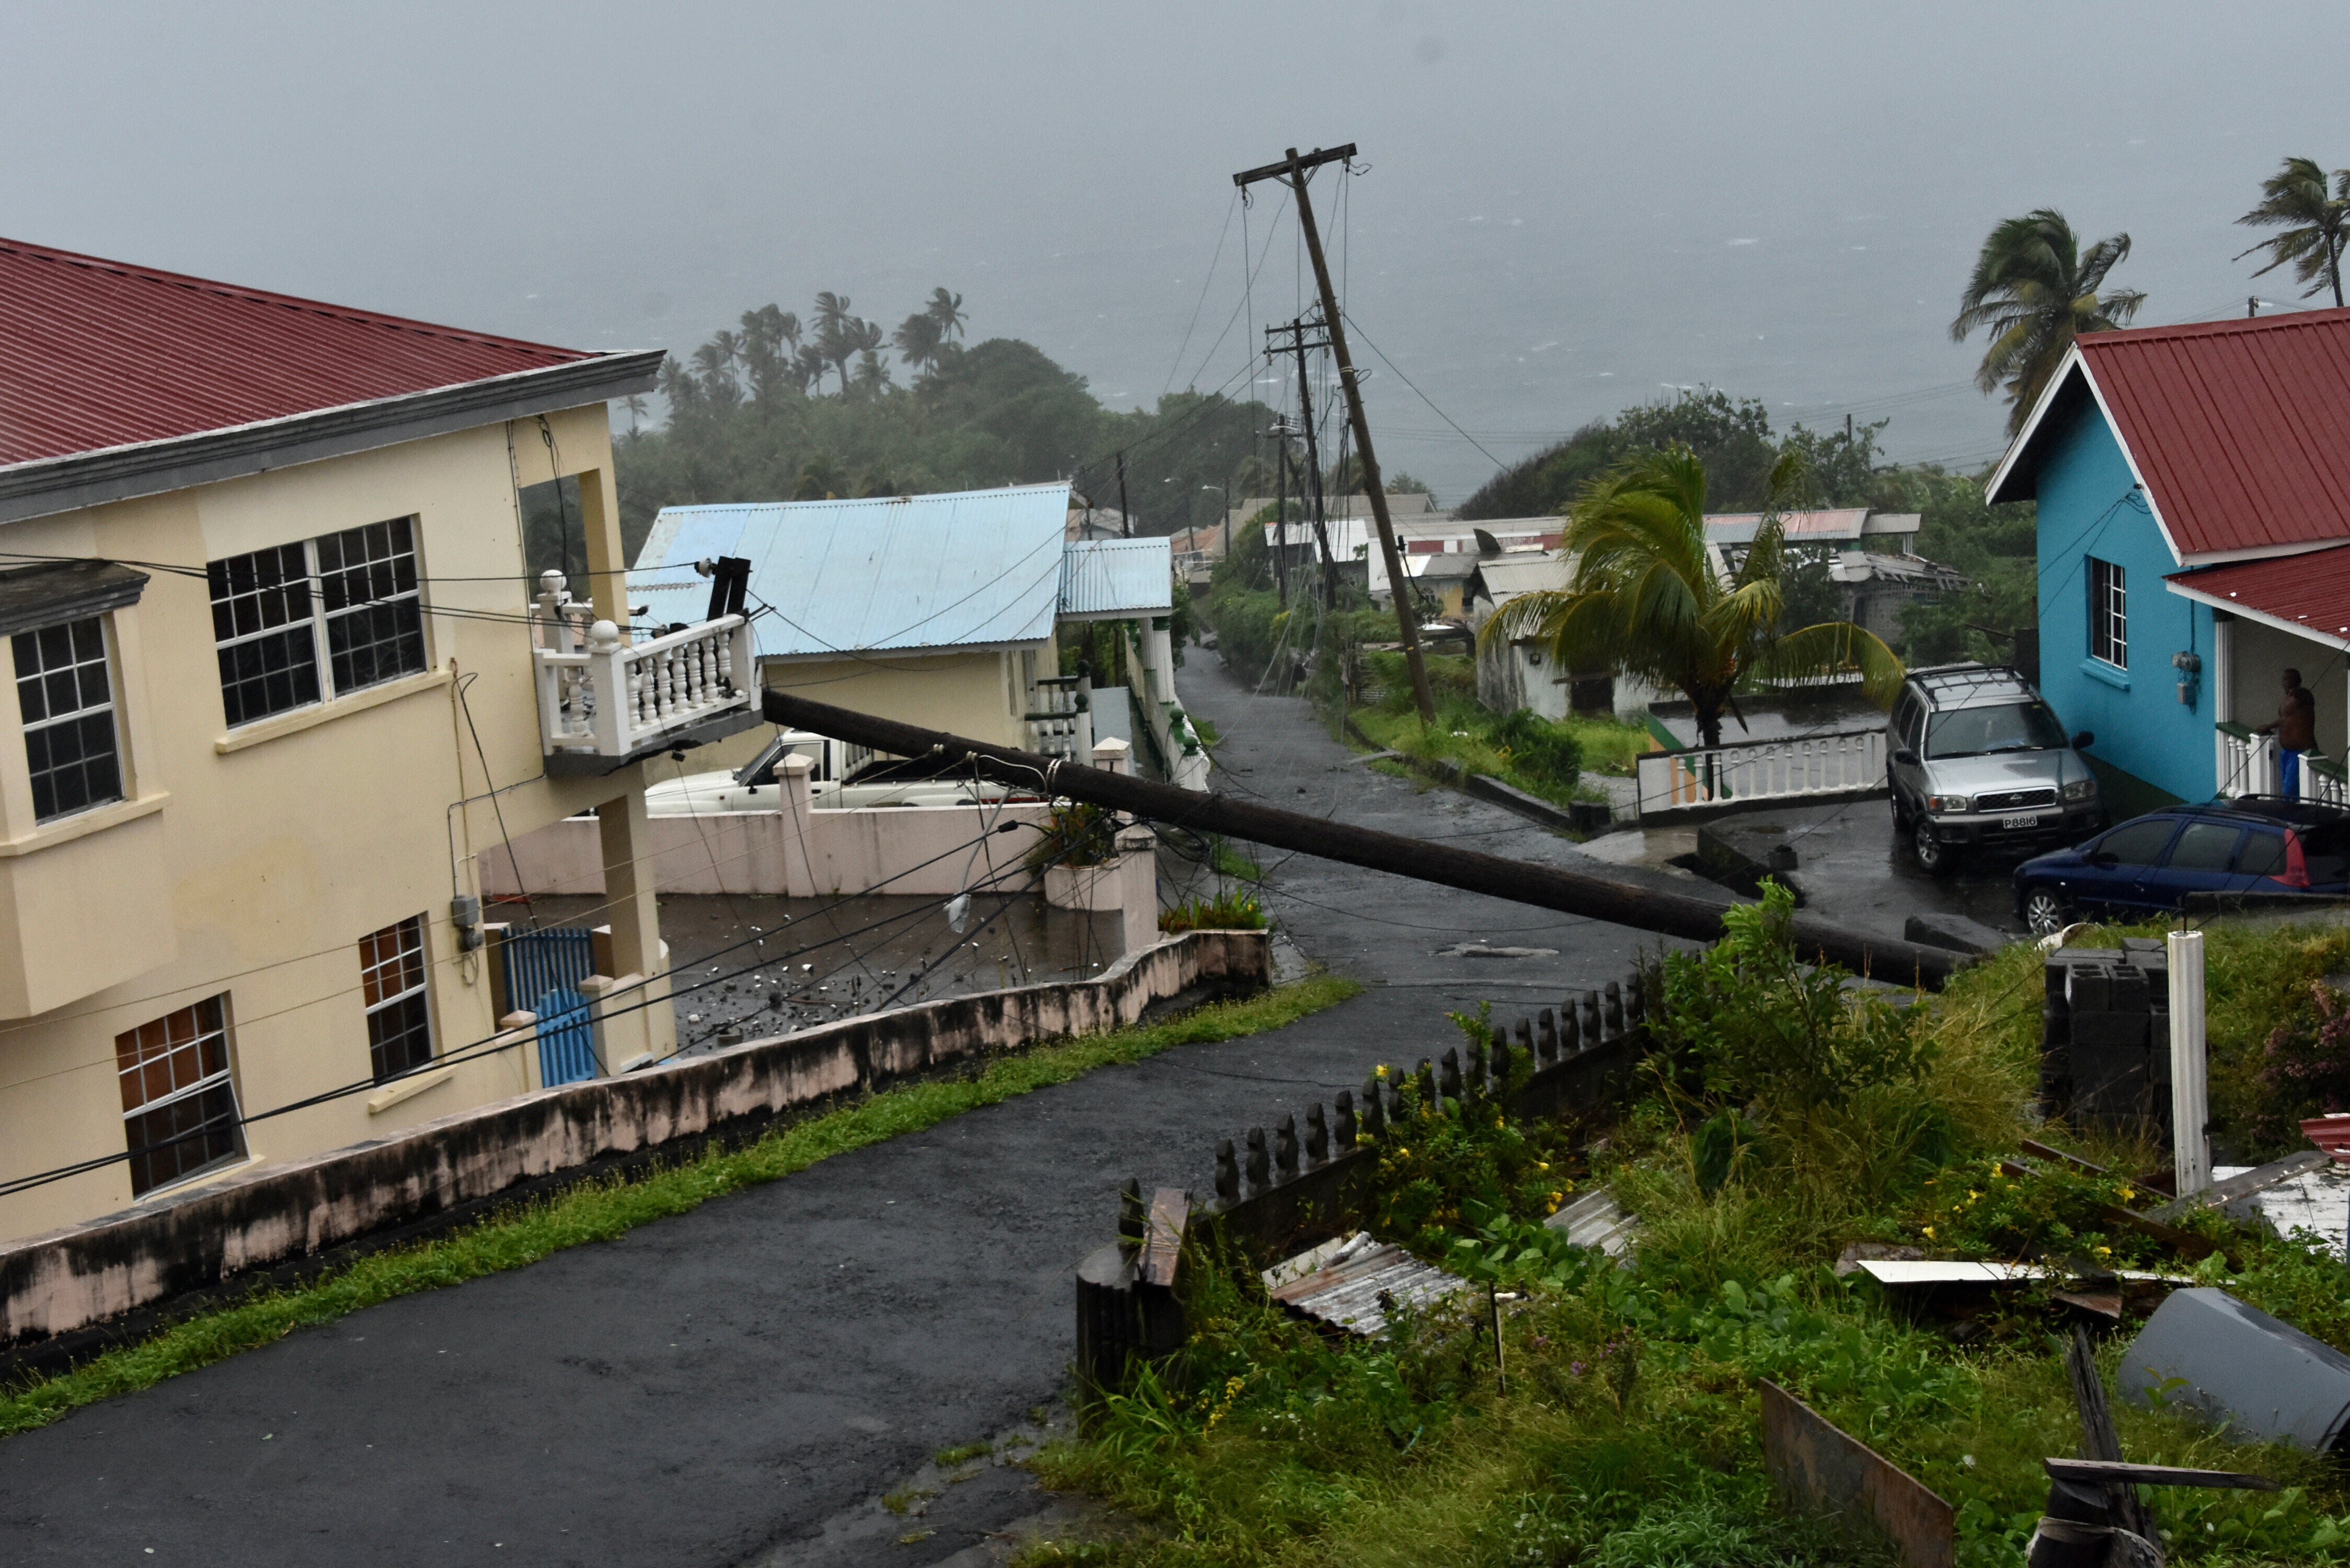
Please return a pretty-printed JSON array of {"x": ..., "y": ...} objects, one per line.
[
  {"x": 1108, "y": 578},
  {"x": 956, "y": 569}
]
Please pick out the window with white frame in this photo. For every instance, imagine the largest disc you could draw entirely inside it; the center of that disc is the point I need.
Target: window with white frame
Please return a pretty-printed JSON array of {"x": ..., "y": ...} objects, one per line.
[
  {"x": 297, "y": 624},
  {"x": 393, "y": 974},
  {"x": 2108, "y": 613},
  {"x": 179, "y": 1115},
  {"x": 65, "y": 696}
]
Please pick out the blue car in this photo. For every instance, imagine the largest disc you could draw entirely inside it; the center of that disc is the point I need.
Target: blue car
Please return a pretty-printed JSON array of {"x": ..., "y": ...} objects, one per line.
[{"x": 2148, "y": 864}]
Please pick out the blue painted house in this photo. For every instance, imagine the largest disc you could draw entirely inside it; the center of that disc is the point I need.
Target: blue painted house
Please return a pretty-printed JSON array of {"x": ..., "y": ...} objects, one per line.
[{"x": 2194, "y": 518}]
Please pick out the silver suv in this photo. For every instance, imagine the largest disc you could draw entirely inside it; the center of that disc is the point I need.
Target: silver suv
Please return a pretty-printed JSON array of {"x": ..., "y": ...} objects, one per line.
[{"x": 1975, "y": 758}]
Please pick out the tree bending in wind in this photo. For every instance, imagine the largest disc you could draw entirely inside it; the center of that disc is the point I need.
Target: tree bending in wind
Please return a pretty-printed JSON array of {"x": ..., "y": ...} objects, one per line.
[
  {"x": 2035, "y": 290},
  {"x": 2316, "y": 223},
  {"x": 1648, "y": 598}
]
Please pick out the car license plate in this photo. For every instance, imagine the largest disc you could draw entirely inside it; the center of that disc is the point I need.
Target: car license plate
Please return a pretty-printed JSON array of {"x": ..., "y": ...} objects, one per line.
[{"x": 2021, "y": 819}]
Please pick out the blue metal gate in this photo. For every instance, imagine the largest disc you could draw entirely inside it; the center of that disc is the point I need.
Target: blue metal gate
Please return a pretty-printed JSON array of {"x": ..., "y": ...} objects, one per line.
[
  {"x": 544, "y": 970},
  {"x": 566, "y": 1038}
]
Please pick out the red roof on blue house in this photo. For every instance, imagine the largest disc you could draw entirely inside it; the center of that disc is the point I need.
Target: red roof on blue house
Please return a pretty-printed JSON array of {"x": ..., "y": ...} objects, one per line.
[
  {"x": 2240, "y": 431},
  {"x": 99, "y": 354}
]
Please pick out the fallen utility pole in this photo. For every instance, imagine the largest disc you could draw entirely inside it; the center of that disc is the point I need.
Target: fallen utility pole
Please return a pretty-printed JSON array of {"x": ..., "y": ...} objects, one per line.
[
  {"x": 1294, "y": 168},
  {"x": 1519, "y": 881}
]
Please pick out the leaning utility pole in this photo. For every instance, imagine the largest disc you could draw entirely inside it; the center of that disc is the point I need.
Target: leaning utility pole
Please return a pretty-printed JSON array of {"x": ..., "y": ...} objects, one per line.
[
  {"x": 1667, "y": 910},
  {"x": 1294, "y": 168},
  {"x": 1298, "y": 346}
]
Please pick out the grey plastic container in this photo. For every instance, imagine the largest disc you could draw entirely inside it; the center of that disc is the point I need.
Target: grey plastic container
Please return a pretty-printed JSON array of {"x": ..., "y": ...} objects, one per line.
[{"x": 2266, "y": 1379}]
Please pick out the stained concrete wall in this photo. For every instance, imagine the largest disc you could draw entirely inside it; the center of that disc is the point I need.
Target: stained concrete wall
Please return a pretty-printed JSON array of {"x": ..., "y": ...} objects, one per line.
[{"x": 69, "y": 1280}]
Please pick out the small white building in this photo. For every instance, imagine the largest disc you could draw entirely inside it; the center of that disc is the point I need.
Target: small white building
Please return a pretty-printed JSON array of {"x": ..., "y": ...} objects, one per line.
[{"x": 1523, "y": 673}]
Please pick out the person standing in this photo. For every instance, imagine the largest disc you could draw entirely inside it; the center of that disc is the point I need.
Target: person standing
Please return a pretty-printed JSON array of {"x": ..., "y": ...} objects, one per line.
[{"x": 2295, "y": 727}]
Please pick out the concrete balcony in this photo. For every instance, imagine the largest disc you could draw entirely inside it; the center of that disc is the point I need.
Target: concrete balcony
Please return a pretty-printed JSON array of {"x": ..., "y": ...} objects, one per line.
[{"x": 605, "y": 702}]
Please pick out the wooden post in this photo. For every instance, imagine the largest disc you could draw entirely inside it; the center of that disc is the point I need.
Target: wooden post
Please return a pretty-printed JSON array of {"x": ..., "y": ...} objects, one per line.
[{"x": 2191, "y": 1100}]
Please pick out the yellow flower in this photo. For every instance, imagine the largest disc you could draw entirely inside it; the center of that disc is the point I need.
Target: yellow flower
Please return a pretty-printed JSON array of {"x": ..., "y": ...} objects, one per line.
[
  {"x": 2128, "y": 1194},
  {"x": 1542, "y": 1165},
  {"x": 2104, "y": 1252},
  {"x": 1928, "y": 1228},
  {"x": 1383, "y": 1069},
  {"x": 1403, "y": 1154}
]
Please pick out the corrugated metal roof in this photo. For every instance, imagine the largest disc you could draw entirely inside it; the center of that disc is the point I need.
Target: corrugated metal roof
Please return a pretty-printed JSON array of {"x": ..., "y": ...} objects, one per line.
[
  {"x": 1507, "y": 577},
  {"x": 1798, "y": 528},
  {"x": 2309, "y": 592},
  {"x": 1109, "y": 579},
  {"x": 2239, "y": 429},
  {"x": 957, "y": 569},
  {"x": 97, "y": 354}
]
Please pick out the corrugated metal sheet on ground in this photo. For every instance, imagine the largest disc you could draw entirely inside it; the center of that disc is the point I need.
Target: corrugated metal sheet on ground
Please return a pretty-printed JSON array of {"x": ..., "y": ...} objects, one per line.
[
  {"x": 2240, "y": 429},
  {"x": 1597, "y": 1220},
  {"x": 1342, "y": 1281},
  {"x": 960, "y": 568},
  {"x": 1118, "y": 578},
  {"x": 97, "y": 354}
]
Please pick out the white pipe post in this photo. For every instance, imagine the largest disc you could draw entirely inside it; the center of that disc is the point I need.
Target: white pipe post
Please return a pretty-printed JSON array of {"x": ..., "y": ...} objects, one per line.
[{"x": 2190, "y": 1100}]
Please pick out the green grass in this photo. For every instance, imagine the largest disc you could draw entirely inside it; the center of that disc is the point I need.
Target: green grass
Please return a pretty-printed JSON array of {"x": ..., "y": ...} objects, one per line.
[
  {"x": 1466, "y": 733},
  {"x": 601, "y": 1212}
]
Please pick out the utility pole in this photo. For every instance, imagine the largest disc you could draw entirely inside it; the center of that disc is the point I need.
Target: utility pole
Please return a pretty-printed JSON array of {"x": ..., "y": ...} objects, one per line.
[
  {"x": 1294, "y": 168},
  {"x": 1125, "y": 516},
  {"x": 1665, "y": 909},
  {"x": 1281, "y": 517},
  {"x": 1297, "y": 344}
]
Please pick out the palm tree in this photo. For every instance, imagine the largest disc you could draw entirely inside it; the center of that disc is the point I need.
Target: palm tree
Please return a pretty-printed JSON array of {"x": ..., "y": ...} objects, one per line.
[
  {"x": 2296, "y": 194},
  {"x": 1650, "y": 597},
  {"x": 918, "y": 339},
  {"x": 946, "y": 309},
  {"x": 636, "y": 406},
  {"x": 865, "y": 338},
  {"x": 770, "y": 338},
  {"x": 832, "y": 330},
  {"x": 679, "y": 388},
  {"x": 2036, "y": 290}
]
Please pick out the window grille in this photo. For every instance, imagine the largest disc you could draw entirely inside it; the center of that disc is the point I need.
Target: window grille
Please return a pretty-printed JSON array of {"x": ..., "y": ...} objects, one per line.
[
  {"x": 270, "y": 626},
  {"x": 180, "y": 1114},
  {"x": 2108, "y": 613},
  {"x": 65, "y": 695},
  {"x": 392, "y": 974}
]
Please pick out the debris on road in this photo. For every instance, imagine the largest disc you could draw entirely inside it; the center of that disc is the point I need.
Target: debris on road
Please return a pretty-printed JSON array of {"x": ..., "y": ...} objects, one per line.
[{"x": 1356, "y": 1284}]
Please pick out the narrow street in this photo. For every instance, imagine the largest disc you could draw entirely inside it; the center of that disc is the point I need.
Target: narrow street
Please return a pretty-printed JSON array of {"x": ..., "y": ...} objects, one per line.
[{"x": 739, "y": 1384}]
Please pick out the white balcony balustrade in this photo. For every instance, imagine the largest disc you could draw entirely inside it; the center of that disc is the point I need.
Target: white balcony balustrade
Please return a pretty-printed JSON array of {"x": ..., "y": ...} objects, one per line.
[
  {"x": 1851, "y": 762},
  {"x": 601, "y": 696}
]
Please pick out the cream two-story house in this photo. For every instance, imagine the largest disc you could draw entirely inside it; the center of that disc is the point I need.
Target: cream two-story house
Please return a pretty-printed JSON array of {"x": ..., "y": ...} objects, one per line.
[{"x": 277, "y": 676}]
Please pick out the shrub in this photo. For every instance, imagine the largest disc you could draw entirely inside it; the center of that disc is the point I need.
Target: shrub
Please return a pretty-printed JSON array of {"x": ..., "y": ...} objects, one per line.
[
  {"x": 1538, "y": 748},
  {"x": 1077, "y": 833},
  {"x": 1225, "y": 912}
]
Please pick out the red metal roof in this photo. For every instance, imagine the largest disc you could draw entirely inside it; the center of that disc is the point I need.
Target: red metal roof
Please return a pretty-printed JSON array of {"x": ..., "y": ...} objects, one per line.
[
  {"x": 2240, "y": 429},
  {"x": 97, "y": 354},
  {"x": 2309, "y": 591}
]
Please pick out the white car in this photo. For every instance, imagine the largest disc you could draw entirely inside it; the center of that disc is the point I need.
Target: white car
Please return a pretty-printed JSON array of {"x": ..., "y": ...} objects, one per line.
[{"x": 753, "y": 787}]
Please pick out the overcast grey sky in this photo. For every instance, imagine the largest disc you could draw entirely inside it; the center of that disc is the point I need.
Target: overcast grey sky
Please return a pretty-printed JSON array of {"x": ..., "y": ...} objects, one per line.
[{"x": 1567, "y": 208}]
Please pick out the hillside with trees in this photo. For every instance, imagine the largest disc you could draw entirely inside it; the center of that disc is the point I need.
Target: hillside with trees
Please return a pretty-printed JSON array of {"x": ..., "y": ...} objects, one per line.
[{"x": 782, "y": 409}]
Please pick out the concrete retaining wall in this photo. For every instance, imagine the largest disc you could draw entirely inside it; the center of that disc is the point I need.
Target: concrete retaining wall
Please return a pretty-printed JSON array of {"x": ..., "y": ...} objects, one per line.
[{"x": 69, "y": 1280}]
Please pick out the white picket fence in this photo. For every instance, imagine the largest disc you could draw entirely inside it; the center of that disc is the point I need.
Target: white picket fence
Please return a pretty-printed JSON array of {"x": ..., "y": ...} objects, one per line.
[{"x": 1847, "y": 763}]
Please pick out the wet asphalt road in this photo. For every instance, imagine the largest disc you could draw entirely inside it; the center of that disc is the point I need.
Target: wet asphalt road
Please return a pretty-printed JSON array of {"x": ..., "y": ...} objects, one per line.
[{"x": 731, "y": 1385}]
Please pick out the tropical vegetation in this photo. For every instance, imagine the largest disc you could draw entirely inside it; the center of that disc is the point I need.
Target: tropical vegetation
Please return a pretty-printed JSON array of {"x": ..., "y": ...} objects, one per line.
[
  {"x": 1782, "y": 1116},
  {"x": 2316, "y": 221},
  {"x": 2034, "y": 290},
  {"x": 1646, "y": 599},
  {"x": 781, "y": 407}
]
